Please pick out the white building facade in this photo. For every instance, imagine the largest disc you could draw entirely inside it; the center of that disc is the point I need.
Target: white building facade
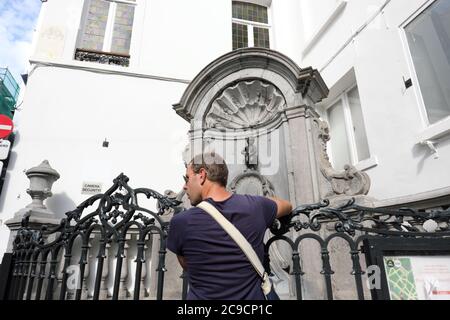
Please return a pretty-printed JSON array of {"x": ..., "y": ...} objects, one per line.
[{"x": 386, "y": 63}]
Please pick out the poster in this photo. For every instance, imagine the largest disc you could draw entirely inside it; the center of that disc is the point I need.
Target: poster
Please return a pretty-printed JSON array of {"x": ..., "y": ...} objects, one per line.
[{"x": 418, "y": 277}]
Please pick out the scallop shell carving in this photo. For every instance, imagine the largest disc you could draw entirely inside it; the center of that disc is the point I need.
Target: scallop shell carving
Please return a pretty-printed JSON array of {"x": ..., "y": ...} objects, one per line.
[{"x": 247, "y": 104}]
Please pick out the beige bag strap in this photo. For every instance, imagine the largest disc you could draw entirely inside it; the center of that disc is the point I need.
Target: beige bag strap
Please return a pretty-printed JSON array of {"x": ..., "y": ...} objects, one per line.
[{"x": 235, "y": 235}]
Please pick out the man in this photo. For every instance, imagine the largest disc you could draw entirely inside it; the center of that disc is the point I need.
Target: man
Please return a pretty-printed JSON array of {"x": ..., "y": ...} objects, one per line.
[{"x": 217, "y": 267}]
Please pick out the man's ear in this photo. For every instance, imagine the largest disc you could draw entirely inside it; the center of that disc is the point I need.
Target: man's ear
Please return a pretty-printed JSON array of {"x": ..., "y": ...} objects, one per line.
[{"x": 202, "y": 173}]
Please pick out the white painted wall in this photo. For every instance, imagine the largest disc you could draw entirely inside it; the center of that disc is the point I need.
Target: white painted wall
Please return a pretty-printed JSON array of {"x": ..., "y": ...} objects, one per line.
[
  {"x": 286, "y": 30},
  {"x": 66, "y": 116},
  {"x": 171, "y": 38},
  {"x": 393, "y": 116},
  {"x": 314, "y": 13}
]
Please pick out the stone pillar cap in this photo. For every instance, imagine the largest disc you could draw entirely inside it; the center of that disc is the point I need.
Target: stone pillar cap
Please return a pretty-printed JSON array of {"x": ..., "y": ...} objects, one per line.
[{"x": 45, "y": 168}]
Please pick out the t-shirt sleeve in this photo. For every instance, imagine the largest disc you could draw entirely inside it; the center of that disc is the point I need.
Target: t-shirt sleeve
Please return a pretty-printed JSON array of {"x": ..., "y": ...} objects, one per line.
[
  {"x": 269, "y": 209},
  {"x": 175, "y": 236}
]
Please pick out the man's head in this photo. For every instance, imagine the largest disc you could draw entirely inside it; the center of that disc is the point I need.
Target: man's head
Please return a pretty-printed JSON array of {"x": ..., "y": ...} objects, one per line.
[{"x": 203, "y": 172}]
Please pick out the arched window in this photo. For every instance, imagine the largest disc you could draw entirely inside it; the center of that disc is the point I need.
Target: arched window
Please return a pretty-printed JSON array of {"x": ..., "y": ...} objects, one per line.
[{"x": 251, "y": 26}]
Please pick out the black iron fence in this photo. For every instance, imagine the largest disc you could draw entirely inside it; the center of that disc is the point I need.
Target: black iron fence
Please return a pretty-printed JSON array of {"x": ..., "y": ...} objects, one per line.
[
  {"x": 63, "y": 261},
  {"x": 369, "y": 234}
]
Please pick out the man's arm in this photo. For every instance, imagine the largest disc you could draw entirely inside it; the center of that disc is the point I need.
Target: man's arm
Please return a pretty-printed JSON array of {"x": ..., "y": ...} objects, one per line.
[
  {"x": 284, "y": 207},
  {"x": 182, "y": 262}
]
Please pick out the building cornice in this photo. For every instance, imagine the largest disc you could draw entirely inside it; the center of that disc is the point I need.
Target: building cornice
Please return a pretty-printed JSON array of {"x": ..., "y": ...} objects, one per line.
[{"x": 102, "y": 69}]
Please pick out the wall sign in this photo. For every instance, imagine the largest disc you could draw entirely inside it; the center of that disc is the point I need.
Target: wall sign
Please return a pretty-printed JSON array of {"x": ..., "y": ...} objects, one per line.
[
  {"x": 91, "y": 188},
  {"x": 418, "y": 277},
  {"x": 5, "y": 145},
  {"x": 411, "y": 268}
]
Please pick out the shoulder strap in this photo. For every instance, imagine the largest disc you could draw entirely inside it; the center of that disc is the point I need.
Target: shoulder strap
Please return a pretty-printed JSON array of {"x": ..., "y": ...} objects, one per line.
[{"x": 235, "y": 235}]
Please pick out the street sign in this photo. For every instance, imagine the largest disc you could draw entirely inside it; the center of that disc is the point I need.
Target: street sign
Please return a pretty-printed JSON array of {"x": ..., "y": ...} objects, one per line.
[
  {"x": 6, "y": 126},
  {"x": 5, "y": 145}
]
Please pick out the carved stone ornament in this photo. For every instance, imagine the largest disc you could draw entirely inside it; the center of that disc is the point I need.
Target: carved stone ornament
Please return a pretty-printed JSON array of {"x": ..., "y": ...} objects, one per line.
[
  {"x": 350, "y": 182},
  {"x": 102, "y": 57},
  {"x": 248, "y": 104},
  {"x": 253, "y": 183}
]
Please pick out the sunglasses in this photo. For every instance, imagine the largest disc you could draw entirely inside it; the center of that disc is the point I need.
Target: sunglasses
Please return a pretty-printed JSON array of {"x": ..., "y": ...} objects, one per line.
[{"x": 186, "y": 178}]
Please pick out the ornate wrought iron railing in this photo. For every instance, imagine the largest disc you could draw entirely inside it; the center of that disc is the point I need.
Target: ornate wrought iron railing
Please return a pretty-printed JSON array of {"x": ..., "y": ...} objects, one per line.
[
  {"x": 354, "y": 224},
  {"x": 102, "y": 57},
  {"x": 71, "y": 260},
  {"x": 37, "y": 253}
]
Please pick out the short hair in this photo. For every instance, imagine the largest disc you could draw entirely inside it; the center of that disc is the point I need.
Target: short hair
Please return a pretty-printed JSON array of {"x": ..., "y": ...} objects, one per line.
[{"x": 214, "y": 165}]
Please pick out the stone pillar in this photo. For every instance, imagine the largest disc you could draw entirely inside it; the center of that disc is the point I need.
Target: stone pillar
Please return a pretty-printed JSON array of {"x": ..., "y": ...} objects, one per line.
[
  {"x": 301, "y": 153},
  {"x": 41, "y": 178}
]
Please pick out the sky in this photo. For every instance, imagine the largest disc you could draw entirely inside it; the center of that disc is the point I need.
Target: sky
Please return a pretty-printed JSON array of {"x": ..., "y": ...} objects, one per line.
[{"x": 17, "y": 23}]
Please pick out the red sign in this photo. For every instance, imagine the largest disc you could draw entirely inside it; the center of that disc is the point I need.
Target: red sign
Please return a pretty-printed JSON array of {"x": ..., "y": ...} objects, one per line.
[{"x": 6, "y": 126}]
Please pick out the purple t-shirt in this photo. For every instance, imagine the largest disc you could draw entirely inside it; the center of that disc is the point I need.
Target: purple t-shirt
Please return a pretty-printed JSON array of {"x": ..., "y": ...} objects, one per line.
[{"x": 216, "y": 266}]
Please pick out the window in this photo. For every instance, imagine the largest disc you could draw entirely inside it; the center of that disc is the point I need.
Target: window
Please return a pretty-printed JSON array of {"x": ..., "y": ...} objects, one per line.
[
  {"x": 348, "y": 144},
  {"x": 428, "y": 37},
  {"x": 105, "y": 33},
  {"x": 250, "y": 25}
]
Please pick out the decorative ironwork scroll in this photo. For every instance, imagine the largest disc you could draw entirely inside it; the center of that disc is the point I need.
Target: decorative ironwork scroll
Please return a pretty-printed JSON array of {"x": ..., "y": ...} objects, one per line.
[
  {"x": 353, "y": 224},
  {"x": 102, "y": 57},
  {"x": 41, "y": 261},
  {"x": 116, "y": 214}
]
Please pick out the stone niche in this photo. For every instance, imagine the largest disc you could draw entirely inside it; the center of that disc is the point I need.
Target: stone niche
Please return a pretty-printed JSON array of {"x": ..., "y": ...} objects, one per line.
[{"x": 255, "y": 107}]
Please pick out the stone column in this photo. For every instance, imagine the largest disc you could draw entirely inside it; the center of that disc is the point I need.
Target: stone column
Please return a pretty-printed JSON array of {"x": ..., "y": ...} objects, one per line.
[
  {"x": 302, "y": 155},
  {"x": 41, "y": 178}
]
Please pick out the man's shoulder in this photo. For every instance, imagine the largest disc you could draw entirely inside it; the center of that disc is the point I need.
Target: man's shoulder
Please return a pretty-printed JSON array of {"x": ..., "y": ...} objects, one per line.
[
  {"x": 246, "y": 197},
  {"x": 183, "y": 215},
  {"x": 253, "y": 198},
  {"x": 254, "y": 201}
]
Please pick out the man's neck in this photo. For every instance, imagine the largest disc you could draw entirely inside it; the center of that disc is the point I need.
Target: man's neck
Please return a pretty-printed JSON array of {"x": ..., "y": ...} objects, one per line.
[{"x": 216, "y": 192}]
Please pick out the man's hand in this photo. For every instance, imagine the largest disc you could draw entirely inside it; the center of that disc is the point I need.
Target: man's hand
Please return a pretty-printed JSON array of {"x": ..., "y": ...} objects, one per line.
[
  {"x": 284, "y": 207},
  {"x": 182, "y": 262}
]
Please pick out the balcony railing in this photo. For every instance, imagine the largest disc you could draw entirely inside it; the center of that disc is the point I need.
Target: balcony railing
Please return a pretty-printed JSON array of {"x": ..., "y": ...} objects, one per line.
[{"x": 111, "y": 58}]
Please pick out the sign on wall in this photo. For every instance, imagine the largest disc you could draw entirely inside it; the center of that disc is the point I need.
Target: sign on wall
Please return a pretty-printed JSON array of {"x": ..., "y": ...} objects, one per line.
[
  {"x": 91, "y": 188},
  {"x": 5, "y": 145},
  {"x": 410, "y": 268},
  {"x": 418, "y": 277}
]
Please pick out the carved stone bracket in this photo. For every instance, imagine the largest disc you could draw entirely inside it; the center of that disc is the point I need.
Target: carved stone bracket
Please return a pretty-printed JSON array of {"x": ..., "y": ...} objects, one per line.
[
  {"x": 350, "y": 182},
  {"x": 252, "y": 182}
]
